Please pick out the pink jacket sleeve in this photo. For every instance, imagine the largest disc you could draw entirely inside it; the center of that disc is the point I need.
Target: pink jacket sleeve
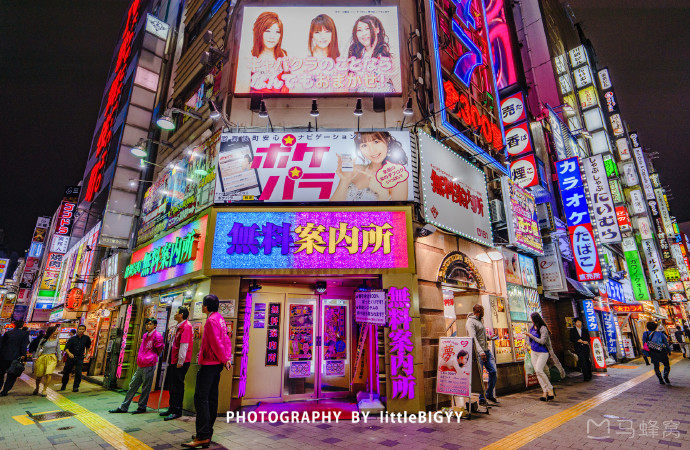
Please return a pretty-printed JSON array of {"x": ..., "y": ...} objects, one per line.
[
  {"x": 219, "y": 338},
  {"x": 158, "y": 342}
]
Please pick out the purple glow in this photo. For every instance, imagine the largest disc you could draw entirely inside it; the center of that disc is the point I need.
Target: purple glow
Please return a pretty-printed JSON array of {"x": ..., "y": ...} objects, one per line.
[
  {"x": 245, "y": 346},
  {"x": 401, "y": 346},
  {"x": 499, "y": 35}
]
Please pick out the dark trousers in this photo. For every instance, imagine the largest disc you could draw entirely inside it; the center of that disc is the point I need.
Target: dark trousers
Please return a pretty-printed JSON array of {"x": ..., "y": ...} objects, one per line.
[
  {"x": 176, "y": 385},
  {"x": 583, "y": 362},
  {"x": 6, "y": 384},
  {"x": 206, "y": 399},
  {"x": 72, "y": 364},
  {"x": 658, "y": 358}
]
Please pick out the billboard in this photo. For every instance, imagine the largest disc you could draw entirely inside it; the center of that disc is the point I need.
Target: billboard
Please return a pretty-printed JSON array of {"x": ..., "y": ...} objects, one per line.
[
  {"x": 600, "y": 197},
  {"x": 455, "y": 194},
  {"x": 343, "y": 166},
  {"x": 521, "y": 217},
  {"x": 635, "y": 269},
  {"x": 318, "y": 50},
  {"x": 326, "y": 238}
]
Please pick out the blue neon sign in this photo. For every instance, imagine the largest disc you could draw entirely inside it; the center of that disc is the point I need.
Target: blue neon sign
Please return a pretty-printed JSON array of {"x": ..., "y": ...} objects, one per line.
[{"x": 590, "y": 315}]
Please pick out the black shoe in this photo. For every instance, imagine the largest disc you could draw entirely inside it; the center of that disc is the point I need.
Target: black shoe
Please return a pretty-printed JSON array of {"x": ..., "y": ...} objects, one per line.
[
  {"x": 492, "y": 399},
  {"x": 139, "y": 411},
  {"x": 3, "y": 394},
  {"x": 667, "y": 380},
  {"x": 550, "y": 397},
  {"x": 544, "y": 399},
  {"x": 482, "y": 402},
  {"x": 173, "y": 417},
  {"x": 165, "y": 413},
  {"x": 62, "y": 388},
  {"x": 75, "y": 390},
  {"x": 661, "y": 381},
  {"x": 117, "y": 411}
]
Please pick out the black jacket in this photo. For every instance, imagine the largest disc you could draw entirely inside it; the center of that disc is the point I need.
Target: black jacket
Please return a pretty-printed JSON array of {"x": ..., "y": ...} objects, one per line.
[
  {"x": 13, "y": 344},
  {"x": 574, "y": 336}
]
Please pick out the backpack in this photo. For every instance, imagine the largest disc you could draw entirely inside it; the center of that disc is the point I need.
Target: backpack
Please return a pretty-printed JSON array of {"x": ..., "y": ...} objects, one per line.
[{"x": 655, "y": 346}]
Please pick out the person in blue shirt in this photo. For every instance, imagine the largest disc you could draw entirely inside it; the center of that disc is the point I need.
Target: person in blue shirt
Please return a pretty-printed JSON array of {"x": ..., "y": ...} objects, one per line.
[{"x": 654, "y": 338}]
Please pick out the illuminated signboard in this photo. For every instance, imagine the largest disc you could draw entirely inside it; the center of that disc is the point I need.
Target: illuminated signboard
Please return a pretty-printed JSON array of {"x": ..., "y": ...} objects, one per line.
[
  {"x": 112, "y": 102},
  {"x": 289, "y": 50},
  {"x": 600, "y": 197},
  {"x": 174, "y": 255},
  {"x": 465, "y": 89},
  {"x": 501, "y": 45},
  {"x": 518, "y": 139},
  {"x": 4, "y": 267},
  {"x": 513, "y": 109},
  {"x": 523, "y": 171},
  {"x": 635, "y": 269},
  {"x": 343, "y": 166},
  {"x": 628, "y": 308},
  {"x": 521, "y": 215},
  {"x": 313, "y": 239},
  {"x": 578, "y": 220},
  {"x": 401, "y": 346},
  {"x": 590, "y": 315}
]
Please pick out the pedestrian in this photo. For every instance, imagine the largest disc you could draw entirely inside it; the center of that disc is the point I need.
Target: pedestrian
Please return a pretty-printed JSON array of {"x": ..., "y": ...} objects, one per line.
[
  {"x": 579, "y": 337},
  {"x": 33, "y": 346},
  {"x": 75, "y": 349},
  {"x": 657, "y": 342},
  {"x": 152, "y": 345},
  {"x": 180, "y": 359},
  {"x": 679, "y": 335},
  {"x": 686, "y": 339},
  {"x": 12, "y": 347},
  {"x": 538, "y": 337},
  {"x": 47, "y": 357},
  {"x": 476, "y": 330},
  {"x": 215, "y": 353}
]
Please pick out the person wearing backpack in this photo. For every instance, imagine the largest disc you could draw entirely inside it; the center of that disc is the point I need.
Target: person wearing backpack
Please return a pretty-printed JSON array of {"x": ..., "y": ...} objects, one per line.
[{"x": 657, "y": 344}]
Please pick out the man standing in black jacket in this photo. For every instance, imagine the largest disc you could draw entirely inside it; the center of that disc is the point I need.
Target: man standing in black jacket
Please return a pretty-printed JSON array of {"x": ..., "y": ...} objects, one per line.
[
  {"x": 12, "y": 346},
  {"x": 75, "y": 349},
  {"x": 580, "y": 340}
]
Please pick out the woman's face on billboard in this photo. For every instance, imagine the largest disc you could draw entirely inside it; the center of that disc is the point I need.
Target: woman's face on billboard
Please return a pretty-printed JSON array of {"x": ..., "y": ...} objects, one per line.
[
  {"x": 322, "y": 38},
  {"x": 272, "y": 36},
  {"x": 375, "y": 150},
  {"x": 364, "y": 34}
]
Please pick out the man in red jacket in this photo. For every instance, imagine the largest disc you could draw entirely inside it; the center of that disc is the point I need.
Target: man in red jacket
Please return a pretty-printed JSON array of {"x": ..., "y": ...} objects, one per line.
[
  {"x": 180, "y": 358},
  {"x": 151, "y": 346},
  {"x": 214, "y": 354}
]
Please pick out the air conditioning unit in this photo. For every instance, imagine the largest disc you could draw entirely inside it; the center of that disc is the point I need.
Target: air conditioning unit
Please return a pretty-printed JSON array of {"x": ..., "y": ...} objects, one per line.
[{"x": 498, "y": 213}]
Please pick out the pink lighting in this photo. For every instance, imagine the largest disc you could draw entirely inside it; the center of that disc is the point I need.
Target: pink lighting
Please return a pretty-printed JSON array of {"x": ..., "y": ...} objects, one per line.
[
  {"x": 401, "y": 346},
  {"x": 504, "y": 63},
  {"x": 245, "y": 346}
]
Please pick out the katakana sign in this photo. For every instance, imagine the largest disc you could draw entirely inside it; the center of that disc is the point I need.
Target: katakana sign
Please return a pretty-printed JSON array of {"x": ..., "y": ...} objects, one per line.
[
  {"x": 312, "y": 239},
  {"x": 578, "y": 220}
]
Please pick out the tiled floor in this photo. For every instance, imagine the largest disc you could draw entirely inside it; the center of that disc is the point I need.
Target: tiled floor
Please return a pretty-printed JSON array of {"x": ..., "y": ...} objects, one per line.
[{"x": 646, "y": 414}]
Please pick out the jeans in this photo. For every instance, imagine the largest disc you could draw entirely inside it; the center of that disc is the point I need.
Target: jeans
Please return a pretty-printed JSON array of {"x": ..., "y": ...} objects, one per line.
[
  {"x": 658, "y": 358},
  {"x": 142, "y": 377},
  {"x": 490, "y": 366},
  {"x": 539, "y": 360},
  {"x": 176, "y": 380},
  {"x": 8, "y": 383},
  {"x": 206, "y": 399},
  {"x": 72, "y": 363}
]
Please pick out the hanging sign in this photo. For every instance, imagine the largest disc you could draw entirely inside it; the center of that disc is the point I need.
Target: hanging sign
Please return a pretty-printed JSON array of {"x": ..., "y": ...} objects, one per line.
[
  {"x": 521, "y": 217},
  {"x": 600, "y": 198},
  {"x": 590, "y": 315},
  {"x": 598, "y": 352},
  {"x": 524, "y": 171},
  {"x": 623, "y": 219},
  {"x": 655, "y": 270},
  {"x": 513, "y": 109},
  {"x": 518, "y": 140},
  {"x": 610, "y": 332},
  {"x": 454, "y": 374}
]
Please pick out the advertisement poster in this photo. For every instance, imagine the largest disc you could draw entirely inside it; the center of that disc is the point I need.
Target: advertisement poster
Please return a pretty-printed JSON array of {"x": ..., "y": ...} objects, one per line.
[
  {"x": 301, "y": 333},
  {"x": 551, "y": 269},
  {"x": 512, "y": 266},
  {"x": 4, "y": 267},
  {"x": 300, "y": 369},
  {"x": 528, "y": 271},
  {"x": 455, "y": 193},
  {"x": 521, "y": 218},
  {"x": 370, "y": 307},
  {"x": 532, "y": 301},
  {"x": 335, "y": 332},
  {"x": 628, "y": 348},
  {"x": 259, "y": 315},
  {"x": 454, "y": 375},
  {"x": 335, "y": 368},
  {"x": 516, "y": 303},
  {"x": 342, "y": 166},
  {"x": 519, "y": 339},
  {"x": 321, "y": 50},
  {"x": 449, "y": 304},
  {"x": 273, "y": 334}
]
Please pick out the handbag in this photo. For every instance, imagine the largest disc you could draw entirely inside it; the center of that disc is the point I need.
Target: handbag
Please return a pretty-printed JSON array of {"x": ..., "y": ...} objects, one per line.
[
  {"x": 655, "y": 346},
  {"x": 16, "y": 368}
]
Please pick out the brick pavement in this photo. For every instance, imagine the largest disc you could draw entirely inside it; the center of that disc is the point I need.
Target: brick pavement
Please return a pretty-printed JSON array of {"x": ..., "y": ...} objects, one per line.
[{"x": 629, "y": 412}]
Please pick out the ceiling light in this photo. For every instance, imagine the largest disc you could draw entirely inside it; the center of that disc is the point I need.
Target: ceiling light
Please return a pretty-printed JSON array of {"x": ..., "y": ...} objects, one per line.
[
  {"x": 408, "y": 111},
  {"x": 495, "y": 255},
  {"x": 166, "y": 121},
  {"x": 320, "y": 287},
  {"x": 263, "y": 112},
  {"x": 314, "y": 109},
  {"x": 139, "y": 150},
  {"x": 215, "y": 115},
  {"x": 358, "y": 108}
]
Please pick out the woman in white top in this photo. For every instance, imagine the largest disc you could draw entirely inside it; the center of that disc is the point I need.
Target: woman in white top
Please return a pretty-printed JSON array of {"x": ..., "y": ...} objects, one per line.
[{"x": 47, "y": 357}]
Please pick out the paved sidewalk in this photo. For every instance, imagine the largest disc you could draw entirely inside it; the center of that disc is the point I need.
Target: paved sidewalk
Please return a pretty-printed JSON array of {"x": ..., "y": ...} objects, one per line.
[{"x": 620, "y": 413}]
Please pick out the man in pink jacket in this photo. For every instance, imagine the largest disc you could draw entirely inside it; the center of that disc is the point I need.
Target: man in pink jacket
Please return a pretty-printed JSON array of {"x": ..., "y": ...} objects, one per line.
[
  {"x": 151, "y": 346},
  {"x": 214, "y": 354}
]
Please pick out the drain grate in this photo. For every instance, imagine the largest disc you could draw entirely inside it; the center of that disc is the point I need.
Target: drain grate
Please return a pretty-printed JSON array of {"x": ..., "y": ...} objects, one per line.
[
  {"x": 51, "y": 416},
  {"x": 65, "y": 428}
]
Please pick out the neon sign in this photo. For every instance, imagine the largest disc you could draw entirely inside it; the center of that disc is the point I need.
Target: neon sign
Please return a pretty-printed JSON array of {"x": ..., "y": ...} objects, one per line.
[
  {"x": 245, "y": 346},
  {"x": 499, "y": 34},
  {"x": 112, "y": 104},
  {"x": 182, "y": 250},
  {"x": 401, "y": 345}
]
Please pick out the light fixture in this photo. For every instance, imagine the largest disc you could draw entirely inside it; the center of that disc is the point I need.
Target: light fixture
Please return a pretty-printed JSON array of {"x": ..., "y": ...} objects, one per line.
[
  {"x": 133, "y": 183},
  {"x": 408, "y": 111},
  {"x": 166, "y": 121},
  {"x": 139, "y": 150},
  {"x": 215, "y": 114},
  {"x": 254, "y": 286},
  {"x": 11, "y": 295},
  {"x": 147, "y": 299},
  {"x": 426, "y": 230},
  {"x": 3, "y": 291},
  {"x": 358, "y": 108},
  {"x": 263, "y": 112},
  {"x": 314, "y": 109},
  {"x": 188, "y": 293},
  {"x": 495, "y": 255},
  {"x": 320, "y": 287}
]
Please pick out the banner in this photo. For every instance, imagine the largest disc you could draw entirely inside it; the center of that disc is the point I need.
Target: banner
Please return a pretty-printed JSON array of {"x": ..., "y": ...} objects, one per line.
[
  {"x": 455, "y": 193},
  {"x": 635, "y": 270},
  {"x": 319, "y": 50},
  {"x": 600, "y": 199},
  {"x": 521, "y": 217},
  {"x": 454, "y": 376},
  {"x": 344, "y": 166}
]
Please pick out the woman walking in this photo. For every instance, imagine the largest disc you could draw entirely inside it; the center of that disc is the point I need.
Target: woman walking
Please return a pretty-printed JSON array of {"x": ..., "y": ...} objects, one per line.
[
  {"x": 539, "y": 341},
  {"x": 47, "y": 357},
  {"x": 657, "y": 343}
]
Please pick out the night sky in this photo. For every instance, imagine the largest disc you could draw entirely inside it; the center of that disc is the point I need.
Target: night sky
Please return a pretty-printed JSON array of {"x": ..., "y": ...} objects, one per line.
[{"x": 56, "y": 57}]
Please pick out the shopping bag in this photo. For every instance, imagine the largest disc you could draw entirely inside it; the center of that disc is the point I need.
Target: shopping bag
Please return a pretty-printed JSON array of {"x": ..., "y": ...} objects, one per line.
[
  {"x": 529, "y": 368},
  {"x": 554, "y": 374}
]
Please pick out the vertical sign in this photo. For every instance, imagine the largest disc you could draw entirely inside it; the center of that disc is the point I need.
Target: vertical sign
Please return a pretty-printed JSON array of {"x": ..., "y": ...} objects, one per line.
[
  {"x": 644, "y": 173},
  {"x": 590, "y": 315},
  {"x": 273, "y": 334},
  {"x": 401, "y": 346},
  {"x": 600, "y": 197},
  {"x": 610, "y": 331},
  {"x": 578, "y": 220},
  {"x": 635, "y": 270},
  {"x": 655, "y": 269}
]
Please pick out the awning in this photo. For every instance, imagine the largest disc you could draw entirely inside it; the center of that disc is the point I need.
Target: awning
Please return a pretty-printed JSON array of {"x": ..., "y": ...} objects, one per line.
[{"x": 580, "y": 288}]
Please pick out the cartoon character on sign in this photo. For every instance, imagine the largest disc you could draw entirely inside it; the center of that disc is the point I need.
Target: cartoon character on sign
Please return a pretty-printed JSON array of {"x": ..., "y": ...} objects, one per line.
[
  {"x": 267, "y": 55},
  {"x": 381, "y": 177}
]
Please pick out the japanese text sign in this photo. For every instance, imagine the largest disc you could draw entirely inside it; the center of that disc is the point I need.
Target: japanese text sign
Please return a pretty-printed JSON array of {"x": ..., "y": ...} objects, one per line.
[
  {"x": 324, "y": 50},
  {"x": 610, "y": 332},
  {"x": 590, "y": 315},
  {"x": 635, "y": 270},
  {"x": 614, "y": 290},
  {"x": 578, "y": 220},
  {"x": 518, "y": 139},
  {"x": 455, "y": 194},
  {"x": 370, "y": 307},
  {"x": 524, "y": 172},
  {"x": 178, "y": 253},
  {"x": 600, "y": 197},
  {"x": 342, "y": 166},
  {"x": 655, "y": 270},
  {"x": 521, "y": 215},
  {"x": 513, "y": 109},
  {"x": 312, "y": 239},
  {"x": 401, "y": 346},
  {"x": 454, "y": 376}
]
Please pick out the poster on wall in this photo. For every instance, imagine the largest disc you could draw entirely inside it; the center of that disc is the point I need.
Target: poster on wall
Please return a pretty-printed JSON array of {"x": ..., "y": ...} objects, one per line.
[
  {"x": 516, "y": 303},
  {"x": 521, "y": 217},
  {"x": 454, "y": 192},
  {"x": 301, "y": 332},
  {"x": 528, "y": 271},
  {"x": 551, "y": 269},
  {"x": 333, "y": 166},
  {"x": 341, "y": 50},
  {"x": 299, "y": 369},
  {"x": 511, "y": 261},
  {"x": 370, "y": 307},
  {"x": 335, "y": 331},
  {"x": 454, "y": 376}
]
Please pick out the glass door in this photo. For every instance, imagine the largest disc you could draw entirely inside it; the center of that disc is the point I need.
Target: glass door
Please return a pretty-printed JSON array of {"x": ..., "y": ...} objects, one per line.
[
  {"x": 335, "y": 331},
  {"x": 301, "y": 353}
]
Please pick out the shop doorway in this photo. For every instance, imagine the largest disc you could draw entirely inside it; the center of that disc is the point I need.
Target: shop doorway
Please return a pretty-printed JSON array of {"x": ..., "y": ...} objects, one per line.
[{"x": 300, "y": 344}]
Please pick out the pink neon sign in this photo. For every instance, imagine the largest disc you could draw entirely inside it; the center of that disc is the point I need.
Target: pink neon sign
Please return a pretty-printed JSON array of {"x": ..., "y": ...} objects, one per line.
[
  {"x": 124, "y": 341},
  {"x": 401, "y": 346},
  {"x": 499, "y": 35},
  {"x": 245, "y": 346}
]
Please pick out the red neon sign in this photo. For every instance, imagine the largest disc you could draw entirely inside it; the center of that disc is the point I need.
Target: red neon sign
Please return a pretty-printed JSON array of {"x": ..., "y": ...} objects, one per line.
[
  {"x": 472, "y": 117},
  {"x": 64, "y": 222},
  {"x": 112, "y": 102}
]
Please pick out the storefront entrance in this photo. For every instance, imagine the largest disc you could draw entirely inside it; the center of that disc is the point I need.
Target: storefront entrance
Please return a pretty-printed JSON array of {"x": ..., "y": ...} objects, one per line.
[{"x": 300, "y": 345}]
